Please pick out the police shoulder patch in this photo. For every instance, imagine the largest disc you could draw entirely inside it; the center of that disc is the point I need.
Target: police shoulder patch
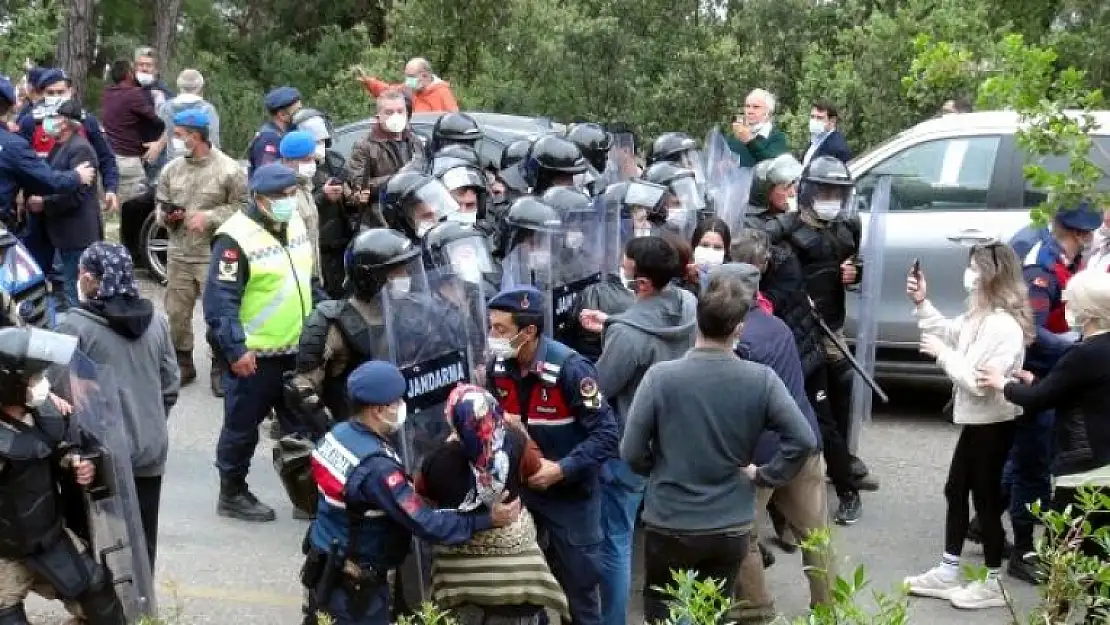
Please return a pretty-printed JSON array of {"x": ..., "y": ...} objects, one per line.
[
  {"x": 1040, "y": 282},
  {"x": 228, "y": 270},
  {"x": 588, "y": 387},
  {"x": 270, "y": 148},
  {"x": 230, "y": 255},
  {"x": 395, "y": 479}
]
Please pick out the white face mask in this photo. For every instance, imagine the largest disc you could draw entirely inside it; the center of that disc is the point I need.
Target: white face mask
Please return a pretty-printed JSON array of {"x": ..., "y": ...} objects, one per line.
[
  {"x": 816, "y": 127},
  {"x": 423, "y": 227},
  {"x": 144, "y": 78},
  {"x": 179, "y": 145},
  {"x": 396, "y": 123},
  {"x": 826, "y": 210},
  {"x": 307, "y": 170},
  {"x": 971, "y": 279},
  {"x": 400, "y": 286},
  {"x": 502, "y": 348},
  {"x": 52, "y": 101},
  {"x": 402, "y": 415},
  {"x": 467, "y": 219},
  {"x": 708, "y": 256},
  {"x": 320, "y": 152},
  {"x": 628, "y": 283},
  {"x": 39, "y": 393},
  {"x": 792, "y": 204},
  {"x": 1070, "y": 318},
  {"x": 642, "y": 232}
]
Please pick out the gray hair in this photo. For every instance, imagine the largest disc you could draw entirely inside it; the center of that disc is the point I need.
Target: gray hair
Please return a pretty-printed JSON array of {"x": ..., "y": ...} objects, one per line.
[
  {"x": 767, "y": 97},
  {"x": 190, "y": 81},
  {"x": 423, "y": 63},
  {"x": 751, "y": 246},
  {"x": 724, "y": 303},
  {"x": 1088, "y": 297},
  {"x": 145, "y": 51}
]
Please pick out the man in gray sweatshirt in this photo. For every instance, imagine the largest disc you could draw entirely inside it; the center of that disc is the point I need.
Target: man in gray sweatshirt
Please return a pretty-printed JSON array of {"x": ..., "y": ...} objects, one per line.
[
  {"x": 692, "y": 429},
  {"x": 659, "y": 326}
]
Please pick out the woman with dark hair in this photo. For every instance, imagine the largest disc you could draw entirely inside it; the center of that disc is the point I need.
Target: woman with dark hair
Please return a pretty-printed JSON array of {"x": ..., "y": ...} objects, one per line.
[{"x": 711, "y": 241}]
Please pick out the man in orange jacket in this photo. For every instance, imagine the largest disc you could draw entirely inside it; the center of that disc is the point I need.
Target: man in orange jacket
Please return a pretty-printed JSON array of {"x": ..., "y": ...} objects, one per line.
[{"x": 429, "y": 93}]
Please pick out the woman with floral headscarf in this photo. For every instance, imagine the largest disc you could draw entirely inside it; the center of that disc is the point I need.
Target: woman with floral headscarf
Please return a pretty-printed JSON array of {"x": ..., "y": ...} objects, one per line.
[{"x": 484, "y": 460}]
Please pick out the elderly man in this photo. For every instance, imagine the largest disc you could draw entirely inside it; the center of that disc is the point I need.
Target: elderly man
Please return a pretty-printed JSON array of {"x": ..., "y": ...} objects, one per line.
[
  {"x": 429, "y": 93},
  {"x": 754, "y": 137},
  {"x": 191, "y": 84},
  {"x": 388, "y": 146},
  {"x": 133, "y": 128}
]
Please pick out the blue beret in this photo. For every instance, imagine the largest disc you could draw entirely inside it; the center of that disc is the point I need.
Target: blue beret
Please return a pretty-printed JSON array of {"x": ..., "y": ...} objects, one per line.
[
  {"x": 297, "y": 144},
  {"x": 376, "y": 383},
  {"x": 280, "y": 98},
  {"x": 34, "y": 74},
  {"x": 526, "y": 299},
  {"x": 272, "y": 178},
  {"x": 192, "y": 118},
  {"x": 7, "y": 90},
  {"x": 1084, "y": 218},
  {"x": 48, "y": 77}
]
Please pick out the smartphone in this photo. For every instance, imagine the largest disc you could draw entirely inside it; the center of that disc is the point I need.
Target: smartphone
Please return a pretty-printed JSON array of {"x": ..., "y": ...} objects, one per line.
[
  {"x": 915, "y": 271},
  {"x": 738, "y": 119}
]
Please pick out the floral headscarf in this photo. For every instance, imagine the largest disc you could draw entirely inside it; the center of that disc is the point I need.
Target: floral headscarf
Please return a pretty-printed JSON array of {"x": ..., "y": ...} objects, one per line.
[
  {"x": 478, "y": 420},
  {"x": 110, "y": 264}
]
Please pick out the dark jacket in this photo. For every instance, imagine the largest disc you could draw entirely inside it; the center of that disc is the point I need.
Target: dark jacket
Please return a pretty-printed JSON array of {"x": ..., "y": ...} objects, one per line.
[
  {"x": 129, "y": 118},
  {"x": 759, "y": 148},
  {"x": 766, "y": 340},
  {"x": 609, "y": 296},
  {"x": 73, "y": 218},
  {"x": 1077, "y": 389},
  {"x": 125, "y": 334},
  {"x": 378, "y": 156},
  {"x": 21, "y": 168},
  {"x": 783, "y": 285},
  {"x": 833, "y": 145},
  {"x": 105, "y": 158}
]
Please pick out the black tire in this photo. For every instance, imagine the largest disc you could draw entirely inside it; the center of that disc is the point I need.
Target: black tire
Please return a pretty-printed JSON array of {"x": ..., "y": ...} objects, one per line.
[{"x": 153, "y": 245}]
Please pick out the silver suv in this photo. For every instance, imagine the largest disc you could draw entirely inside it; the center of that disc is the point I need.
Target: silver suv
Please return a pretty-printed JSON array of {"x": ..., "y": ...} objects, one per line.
[{"x": 957, "y": 181}]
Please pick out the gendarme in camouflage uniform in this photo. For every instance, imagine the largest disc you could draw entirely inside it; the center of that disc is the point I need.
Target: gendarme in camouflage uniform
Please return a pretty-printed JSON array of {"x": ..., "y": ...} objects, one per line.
[{"x": 211, "y": 187}]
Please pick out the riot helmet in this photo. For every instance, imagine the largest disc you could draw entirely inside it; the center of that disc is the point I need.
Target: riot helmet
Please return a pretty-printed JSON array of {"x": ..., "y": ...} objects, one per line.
[
  {"x": 455, "y": 128},
  {"x": 680, "y": 149},
  {"x": 413, "y": 203},
  {"x": 459, "y": 250},
  {"x": 509, "y": 169},
  {"x": 316, "y": 123},
  {"x": 684, "y": 199},
  {"x": 549, "y": 159},
  {"x": 26, "y": 353},
  {"x": 458, "y": 152},
  {"x": 374, "y": 254},
  {"x": 826, "y": 188},
  {"x": 593, "y": 142},
  {"x": 774, "y": 181},
  {"x": 529, "y": 215},
  {"x": 468, "y": 185}
]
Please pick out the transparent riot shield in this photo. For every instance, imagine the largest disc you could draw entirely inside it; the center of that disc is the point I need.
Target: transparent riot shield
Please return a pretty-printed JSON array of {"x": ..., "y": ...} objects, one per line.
[
  {"x": 530, "y": 263},
  {"x": 115, "y": 526},
  {"x": 729, "y": 185},
  {"x": 576, "y": 262},
  {"x": 872, "y": 250},
  {"x": 684, "y": 206},
  {"x": 614, "y": 232},
  {"x": 427, "y": 341},
  {"x": 621, "y": 162},
  {"x": 718, "y": 156},
  {"x": 463, "y": 285}
]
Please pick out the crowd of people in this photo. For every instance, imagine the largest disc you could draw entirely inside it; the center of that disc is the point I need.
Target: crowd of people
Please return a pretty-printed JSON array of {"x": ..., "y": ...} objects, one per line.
[{"x": 484, "y": 376}]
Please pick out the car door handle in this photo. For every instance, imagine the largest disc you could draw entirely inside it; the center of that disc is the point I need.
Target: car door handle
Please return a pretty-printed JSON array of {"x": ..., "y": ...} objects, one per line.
[{"x": 970, "y": 234}]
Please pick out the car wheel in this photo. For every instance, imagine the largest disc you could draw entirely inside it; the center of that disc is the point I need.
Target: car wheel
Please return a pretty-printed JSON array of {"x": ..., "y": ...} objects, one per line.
[{"x": 154, "y": 243}]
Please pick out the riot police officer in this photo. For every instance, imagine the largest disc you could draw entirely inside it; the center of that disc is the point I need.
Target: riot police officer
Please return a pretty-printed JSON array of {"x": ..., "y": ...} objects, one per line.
[
  {"x": 368, "y": 508},
  {"x": 40, "y": 469},
  {"x": 774, "y": 190},
  {"x": 455, "y": 129},
  {"x": 685, "y": 201},
  {"x": 510, "y": 169},
  {"x": 594, "y": 144},
  {"x": 552, "y": 162},
  {"x": 413, "y": 203},
  {"x": 552, "y": 390},
  {"x": 680, "y": 149},
  {"x": 825, "y": 238},
  {"x": 467, "y": 184},
  {"x": 577, "y": 255}
]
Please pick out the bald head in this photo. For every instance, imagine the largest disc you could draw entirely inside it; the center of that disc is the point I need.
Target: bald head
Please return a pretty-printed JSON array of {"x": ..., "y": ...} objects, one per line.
[{"x": 418, "y": 73}]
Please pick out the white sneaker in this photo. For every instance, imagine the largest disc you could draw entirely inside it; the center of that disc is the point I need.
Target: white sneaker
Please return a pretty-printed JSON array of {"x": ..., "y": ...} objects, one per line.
[
  {"x": 979, "y": 595},
  {"x": 933, "y": 583}
]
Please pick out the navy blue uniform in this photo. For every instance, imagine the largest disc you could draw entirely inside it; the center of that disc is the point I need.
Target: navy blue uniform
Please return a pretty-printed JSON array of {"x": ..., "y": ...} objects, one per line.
[
  {"x": 247, "y": 401},
  {"x": 105, "y": 158},
  {"x": 558, "y": 400},
  {"x": 264, "y": 146},
  {"x": 368, "y": 513},
  {"x": 21, "y": 168}
]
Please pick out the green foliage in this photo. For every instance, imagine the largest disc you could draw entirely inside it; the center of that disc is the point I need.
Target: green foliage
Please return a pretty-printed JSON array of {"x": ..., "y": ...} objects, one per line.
[
  {"x": 29, "y": 30},
  {"x": 693, "y": 601},
  {"x": 429, "y": 614}
]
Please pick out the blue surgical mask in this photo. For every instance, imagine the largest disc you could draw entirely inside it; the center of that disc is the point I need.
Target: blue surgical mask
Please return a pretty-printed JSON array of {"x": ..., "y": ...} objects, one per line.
[
  {"x": 52, "y": 126},
  {"x": 282, "y": 209}
]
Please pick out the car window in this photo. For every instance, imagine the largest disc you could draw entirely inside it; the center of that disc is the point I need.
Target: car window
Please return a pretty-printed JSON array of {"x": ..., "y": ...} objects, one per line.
[
  {"x": 941, "y": 175},
  {"x": 1099, "y": 155},
  {"x": 344, "y": 142}
]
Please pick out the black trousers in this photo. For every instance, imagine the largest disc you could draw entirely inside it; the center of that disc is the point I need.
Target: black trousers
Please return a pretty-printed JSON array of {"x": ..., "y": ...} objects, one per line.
[
  {"x": 715, "y": 556},
  {"x": 976, "y": 471},
  {"x": 838, "y": 460},
  {"x": 149, "y": 492}
]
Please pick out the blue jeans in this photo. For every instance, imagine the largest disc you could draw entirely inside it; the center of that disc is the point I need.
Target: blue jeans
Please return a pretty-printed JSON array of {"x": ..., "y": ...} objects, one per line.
[
  {"x": 622, "y": 492},
  {"x": 70, "y": 258},
  {"x": 1027, "y": 476}
]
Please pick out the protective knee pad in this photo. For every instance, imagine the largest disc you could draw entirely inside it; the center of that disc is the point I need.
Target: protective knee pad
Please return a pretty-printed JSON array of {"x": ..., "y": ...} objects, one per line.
[
  {"x": 100, "y": 602},
  {"x": 14, "y": 615}
]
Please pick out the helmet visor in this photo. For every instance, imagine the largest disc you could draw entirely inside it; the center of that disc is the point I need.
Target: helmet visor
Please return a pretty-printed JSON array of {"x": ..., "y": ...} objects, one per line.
[
  {"x": 688, "y": 194},
  {"x": 462, "y": 177},
  {"x": 693, "y": 160},
  {"x": 434, "y": 202},
  {"x": 469, "y": 258},
  {"x": 643, "y": 194}
]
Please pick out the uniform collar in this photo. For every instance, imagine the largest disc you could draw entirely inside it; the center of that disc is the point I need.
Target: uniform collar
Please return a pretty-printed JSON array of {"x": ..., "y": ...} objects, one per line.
[{"x": 538, "y": 361}]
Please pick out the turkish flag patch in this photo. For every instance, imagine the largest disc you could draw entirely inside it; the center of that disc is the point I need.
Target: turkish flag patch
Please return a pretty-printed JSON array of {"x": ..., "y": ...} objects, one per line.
[
  {"x": 271, "y": 148},
  {"x": 231, "y": 255},
  {"x": 395, "y": 479},
  {"x": 1041, "y": 282}
]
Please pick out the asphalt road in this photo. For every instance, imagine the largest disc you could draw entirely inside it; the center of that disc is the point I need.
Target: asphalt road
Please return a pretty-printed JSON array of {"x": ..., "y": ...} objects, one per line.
[{"x": 219, "y": 571}]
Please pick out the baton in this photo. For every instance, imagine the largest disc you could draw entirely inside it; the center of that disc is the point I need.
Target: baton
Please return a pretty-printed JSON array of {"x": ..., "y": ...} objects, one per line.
[{"x": 847, "y": 353}]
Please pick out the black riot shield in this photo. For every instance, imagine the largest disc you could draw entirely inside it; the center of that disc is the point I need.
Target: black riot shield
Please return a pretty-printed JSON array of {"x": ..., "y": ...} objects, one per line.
[
  {"x": 576, "y": 262},
  {"x": 530, "y": 263},
  {"x": 115, "y": 526}
]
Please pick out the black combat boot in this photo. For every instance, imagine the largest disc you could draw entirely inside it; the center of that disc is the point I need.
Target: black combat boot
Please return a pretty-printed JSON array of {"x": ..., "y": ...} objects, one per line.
[
  {"x": 238, "y": 502},
  {"x": 185, "y": 363}
]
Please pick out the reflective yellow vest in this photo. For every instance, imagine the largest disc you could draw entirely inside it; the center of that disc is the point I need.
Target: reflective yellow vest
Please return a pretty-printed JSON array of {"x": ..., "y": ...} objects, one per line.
[{"x": 278, "y": 294}]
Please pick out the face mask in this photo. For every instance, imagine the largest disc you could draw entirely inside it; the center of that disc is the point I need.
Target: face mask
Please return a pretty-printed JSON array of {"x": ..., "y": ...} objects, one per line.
[
  {"x": 320, "y": 152},
  {"x": 708, "y": 256},
  {"x": 412, "y": 82},
  {"x": 971, "y": 279},
  {"x": 502, "y": 348},
  {"x": 466, "y": 219},
  {"x": 399, "y": 422},
  {"x": 144, "y": 78},
  {"x": 38, "y": 394},
  {"x": 423, "y": 227},
  {"x": 826, "y": 210},
  {"x": 306, "y": 170},
  {"x": 574, "y": 240},
  {"x": 629, "y": 284},
  {"x": 396, "y": 123},
  {"x": 816, "y": 127},
  {"x": 792, "y": 204},
  {"x": 52, "y": 126},
  {"x": 1070, "y": 318},
  {"x": 400, "y": 286},
  {"x": 179, "y": 145},
  {"x": 282, "y": 209},
  {"x": 54, "y": 100}
]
